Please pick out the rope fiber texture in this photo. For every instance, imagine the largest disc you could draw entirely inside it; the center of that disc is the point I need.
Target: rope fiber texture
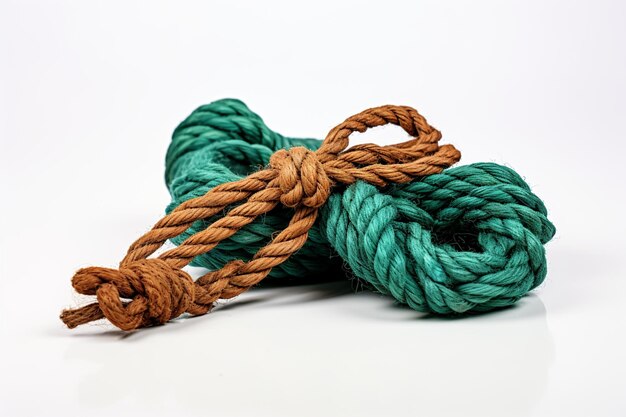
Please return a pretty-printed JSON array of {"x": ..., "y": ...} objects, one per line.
[{"x": 455, "y": 240}]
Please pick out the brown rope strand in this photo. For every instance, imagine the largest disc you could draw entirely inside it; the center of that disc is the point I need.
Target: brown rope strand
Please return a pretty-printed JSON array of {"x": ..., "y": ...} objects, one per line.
[
  {"x": 159, "y": 290},
  {"x": 203, "y": 207}
]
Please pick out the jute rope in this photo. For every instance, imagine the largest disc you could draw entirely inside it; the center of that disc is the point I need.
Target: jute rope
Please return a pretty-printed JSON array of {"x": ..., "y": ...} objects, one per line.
[{"x": 150, "y": 291}]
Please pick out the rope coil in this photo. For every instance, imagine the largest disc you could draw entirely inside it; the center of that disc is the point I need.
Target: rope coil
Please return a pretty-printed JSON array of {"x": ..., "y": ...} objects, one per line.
[{"x": 159, "y": 290}]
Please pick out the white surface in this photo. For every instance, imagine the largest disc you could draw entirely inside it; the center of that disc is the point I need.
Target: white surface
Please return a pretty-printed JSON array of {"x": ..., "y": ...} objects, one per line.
[{"x": 89, "y": 95}]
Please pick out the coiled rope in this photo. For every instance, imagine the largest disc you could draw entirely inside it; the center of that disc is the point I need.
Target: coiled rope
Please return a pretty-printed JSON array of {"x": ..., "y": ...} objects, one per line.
[{"x": 465, "y": 239}]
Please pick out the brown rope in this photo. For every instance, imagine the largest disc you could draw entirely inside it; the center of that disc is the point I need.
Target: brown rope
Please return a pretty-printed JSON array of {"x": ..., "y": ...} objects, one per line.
[{"x": 159, "y": 290}]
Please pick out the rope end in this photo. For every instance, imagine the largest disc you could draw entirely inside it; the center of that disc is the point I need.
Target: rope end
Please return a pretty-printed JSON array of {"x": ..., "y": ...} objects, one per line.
[{"x": 75, "y": 317}]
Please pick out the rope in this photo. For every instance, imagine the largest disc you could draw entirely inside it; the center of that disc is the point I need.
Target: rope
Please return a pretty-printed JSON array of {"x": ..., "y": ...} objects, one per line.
[
  {"x": 298, "y": 178},
  {"x": 469, "y": 239}
]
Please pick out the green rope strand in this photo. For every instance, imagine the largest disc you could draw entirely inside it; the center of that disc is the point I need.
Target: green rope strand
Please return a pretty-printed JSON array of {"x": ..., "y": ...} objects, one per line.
[{"x": 469, "y": 239}]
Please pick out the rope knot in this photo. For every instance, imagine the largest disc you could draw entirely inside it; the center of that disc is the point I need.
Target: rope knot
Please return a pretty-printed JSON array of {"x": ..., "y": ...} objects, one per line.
[
  {"x": 301, "y": 177},
  {"x": 157, "y": 291}
]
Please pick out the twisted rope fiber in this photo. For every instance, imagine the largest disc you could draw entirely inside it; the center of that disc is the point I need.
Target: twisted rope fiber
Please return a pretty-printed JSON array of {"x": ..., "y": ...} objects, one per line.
[{"x": 468, "y": 239}]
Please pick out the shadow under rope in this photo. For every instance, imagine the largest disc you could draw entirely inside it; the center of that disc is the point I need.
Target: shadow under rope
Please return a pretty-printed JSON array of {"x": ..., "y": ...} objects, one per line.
[
  {"x": 486, "y": 364},
  {"x": 310, "y": 289},
  {"x": 335, "y": 286},
  {"x": 483, "y": 364}
]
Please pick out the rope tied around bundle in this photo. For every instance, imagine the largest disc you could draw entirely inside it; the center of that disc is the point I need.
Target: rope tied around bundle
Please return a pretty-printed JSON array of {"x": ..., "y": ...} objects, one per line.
[{"x": 150, "y": 291}]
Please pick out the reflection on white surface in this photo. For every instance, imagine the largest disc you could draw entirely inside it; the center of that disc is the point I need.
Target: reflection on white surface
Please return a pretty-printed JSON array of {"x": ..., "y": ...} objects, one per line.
[{"x": 320, "y": 350}]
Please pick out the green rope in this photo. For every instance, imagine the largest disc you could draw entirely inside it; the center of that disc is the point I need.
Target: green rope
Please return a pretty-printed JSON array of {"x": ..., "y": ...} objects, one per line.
[{"x": 468, "y": 239}]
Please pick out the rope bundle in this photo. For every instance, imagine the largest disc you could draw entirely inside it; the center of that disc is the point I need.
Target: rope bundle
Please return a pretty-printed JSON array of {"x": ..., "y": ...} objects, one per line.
[{"x": 466, "y": 239}]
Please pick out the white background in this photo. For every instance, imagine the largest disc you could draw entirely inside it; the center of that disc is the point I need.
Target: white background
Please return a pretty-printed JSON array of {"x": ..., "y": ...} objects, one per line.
[{"x": 89, "y": 95}]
